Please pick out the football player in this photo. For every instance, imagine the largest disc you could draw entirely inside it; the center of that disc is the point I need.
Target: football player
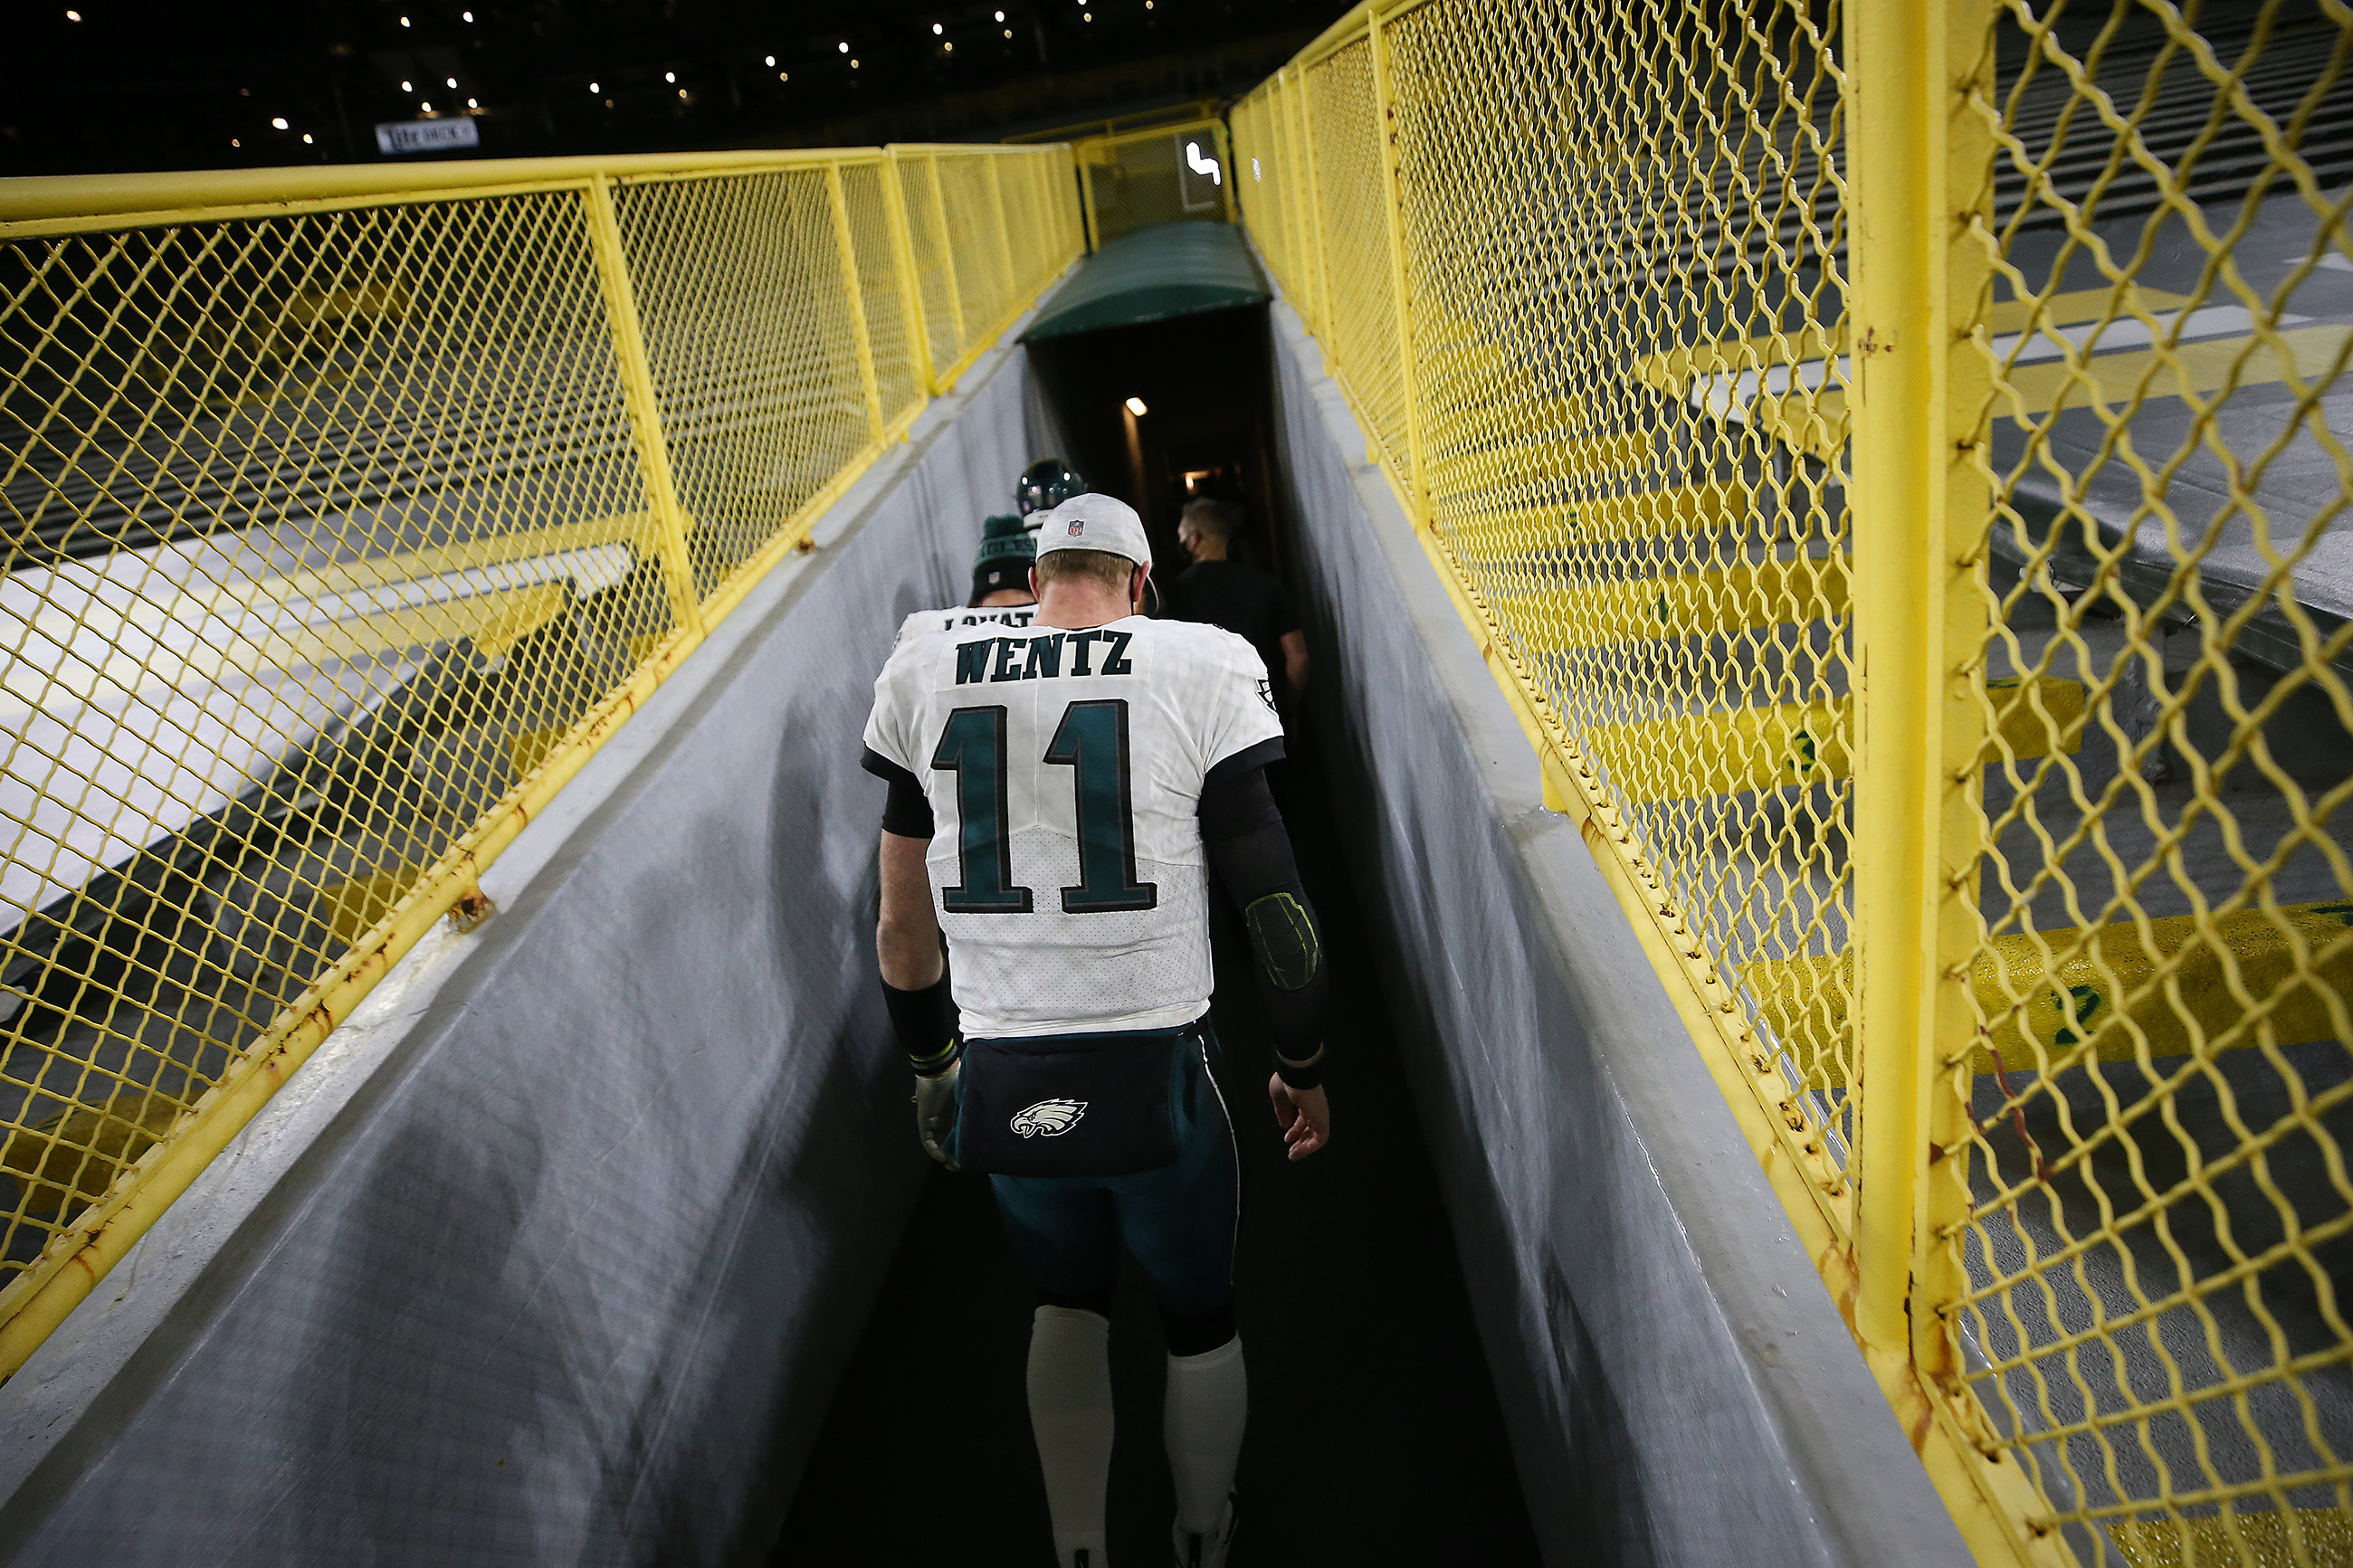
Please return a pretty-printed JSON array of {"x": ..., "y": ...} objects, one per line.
[
  {"x": 1045, "y": 484},
  {"x": 1001, "y": 595},
  {"x": 1061, "y": 796}
]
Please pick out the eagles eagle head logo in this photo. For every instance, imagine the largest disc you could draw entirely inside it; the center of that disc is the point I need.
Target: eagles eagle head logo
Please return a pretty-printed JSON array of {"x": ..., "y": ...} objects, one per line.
[{"x": 1049, "y": 1117}]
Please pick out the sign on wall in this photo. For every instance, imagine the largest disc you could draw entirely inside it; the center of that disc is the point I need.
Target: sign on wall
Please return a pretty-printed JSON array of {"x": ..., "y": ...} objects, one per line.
[{"x": 428, "y": 136}]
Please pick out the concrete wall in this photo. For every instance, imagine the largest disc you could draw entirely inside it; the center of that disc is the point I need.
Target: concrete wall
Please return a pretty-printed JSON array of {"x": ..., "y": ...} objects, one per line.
[
  {"x": 1678, "y": 1387},
  {"x": 552, "y": 1253}
]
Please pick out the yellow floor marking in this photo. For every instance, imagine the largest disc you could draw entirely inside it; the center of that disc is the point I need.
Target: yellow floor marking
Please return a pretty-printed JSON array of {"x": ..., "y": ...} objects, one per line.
[
  {"x": 2175, "y": 976},
  {"x": 1731, "y": 752},
  {"x": 2265, "y": 1540},
  {"x": 1506, "y": 532},
  {"x": 1731, "y": 599}
]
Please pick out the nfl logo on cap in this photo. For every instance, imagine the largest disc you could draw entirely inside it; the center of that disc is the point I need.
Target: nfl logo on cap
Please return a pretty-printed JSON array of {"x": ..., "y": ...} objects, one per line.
[{"x": 1078, "y": 526}]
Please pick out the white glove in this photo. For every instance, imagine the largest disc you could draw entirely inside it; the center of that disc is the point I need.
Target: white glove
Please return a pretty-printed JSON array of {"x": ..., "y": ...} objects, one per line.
[{"x": 935, "y": 1111}]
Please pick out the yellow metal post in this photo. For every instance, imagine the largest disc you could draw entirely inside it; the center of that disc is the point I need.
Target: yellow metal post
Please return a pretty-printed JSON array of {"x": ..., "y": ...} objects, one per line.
[
  {"x": 644, "y": 407},
  {"x": 1223, "y": 143},
  {"x": 1385, "y": 127},
  {"x": 1919, "y": 162},
  {"x": 910, "y": 282},
  {"x": 1320, "y": 262},
  {"x": 856, "y": 296},
  {"x": 1003, "y": 225},
  {"x": 948, "y": 253}
]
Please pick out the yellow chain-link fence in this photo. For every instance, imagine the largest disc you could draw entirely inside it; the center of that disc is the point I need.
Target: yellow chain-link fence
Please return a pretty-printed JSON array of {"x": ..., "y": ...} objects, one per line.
[
  {"x": 347, "y": 511},
  {"x": 1171, "y": 173},
  {"x": 1893, "y": 454}
]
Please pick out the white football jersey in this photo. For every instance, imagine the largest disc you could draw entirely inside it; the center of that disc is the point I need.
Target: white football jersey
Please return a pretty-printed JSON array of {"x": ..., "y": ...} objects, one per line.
[
  {"x": 957, "y": 618},
  {"x": 1063, "y": 769}
]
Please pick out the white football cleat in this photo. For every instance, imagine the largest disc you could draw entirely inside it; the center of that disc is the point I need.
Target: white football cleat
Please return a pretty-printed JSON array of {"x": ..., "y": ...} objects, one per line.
[{"x": 1204, "y": 1550}]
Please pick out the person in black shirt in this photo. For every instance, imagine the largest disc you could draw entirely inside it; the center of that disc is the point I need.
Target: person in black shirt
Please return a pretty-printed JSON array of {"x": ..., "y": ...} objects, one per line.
[{"x": 1237, "y": 595}]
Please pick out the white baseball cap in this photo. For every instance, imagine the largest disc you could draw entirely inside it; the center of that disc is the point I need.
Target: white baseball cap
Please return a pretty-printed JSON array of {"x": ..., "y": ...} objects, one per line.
[{"x": 1093, "y": 522}]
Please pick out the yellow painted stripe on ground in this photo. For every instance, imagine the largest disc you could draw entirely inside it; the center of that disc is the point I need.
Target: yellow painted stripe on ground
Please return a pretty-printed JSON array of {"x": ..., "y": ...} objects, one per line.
[
  {"x": 1506, "y": 532},
  {"x": 1729, "y": 599},
  {"x": 490, "y": 550},
  {"x": 1816, "y": 421},
  {"x": 1484, "y": 460},
  {"x": 2078, "y": 995},
  {"x": 2310, "y": 352},
  {"x": 1742, "y": 749},
  {"x": 2326, "y": 1536},
  {"x": 1673, "y": 371}
]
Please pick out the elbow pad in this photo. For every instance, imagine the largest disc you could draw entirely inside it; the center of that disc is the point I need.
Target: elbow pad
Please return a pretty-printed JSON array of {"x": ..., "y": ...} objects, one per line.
[{"x": 1282, "y": 933}]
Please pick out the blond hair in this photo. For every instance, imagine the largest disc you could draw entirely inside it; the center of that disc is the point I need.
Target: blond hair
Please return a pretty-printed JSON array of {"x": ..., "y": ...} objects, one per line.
[{"x": 1098, "y": 566}]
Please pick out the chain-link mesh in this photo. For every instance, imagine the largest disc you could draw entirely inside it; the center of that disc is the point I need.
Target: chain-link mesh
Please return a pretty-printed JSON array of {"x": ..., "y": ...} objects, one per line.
[
  {"x": 1586, "y": 272},
  {"x": 337, "y": 536},
  {"x": 1172, "y": 174}
]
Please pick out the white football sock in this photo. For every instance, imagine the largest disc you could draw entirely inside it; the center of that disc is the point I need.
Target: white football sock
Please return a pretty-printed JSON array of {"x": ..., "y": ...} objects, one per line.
[
  {"x": 1209, "y": 1399},
  {"x": 1069, "y": 1415}
]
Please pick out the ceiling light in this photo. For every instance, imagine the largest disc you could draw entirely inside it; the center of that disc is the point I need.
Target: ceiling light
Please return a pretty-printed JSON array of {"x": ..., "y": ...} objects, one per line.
[
  {"x": 306, "y": 139},
  {"x": 681, "y": 92},
  {"x": 671, "y": 76},
  {"x": 451, "y": 81},
  {"x": 784, "y": 76},
  {"x": 950, "y": 47},
  {"x": 471, "y": 104},
  {"x": 1008, "y": 32},
  {"x": 771, "y": 60},
  {"x": 424, "y": 108},
  {"x": 405, "y": 88},
  {"x": 843, "y": 48},
  {"x": 277, "y": 123},
  {"x": 1136, "y": 406},
  {"x": 937, "y": 29},
  {"x": 592, "y": 86},
  {"x": 853, "y": 65}
]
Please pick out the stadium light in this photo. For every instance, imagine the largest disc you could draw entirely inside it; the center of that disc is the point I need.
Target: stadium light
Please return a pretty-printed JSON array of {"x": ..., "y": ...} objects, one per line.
[
  {"x": 471, "y": 104},
  {"x": 950, "y": 47},
  {"x": 772, "y": 62},
  {"x": 784, "y": 76},
  {"x": 451, "y": 81},
  {"x": 405, "y": 88},
  {"x": 75, "y": 16},
  {"x": 277, "y": 123},
  {"x": 469, "y": 16},
  {"x": 671, "y": 76},
  {"x": 306, "y": 139},
  {"x": 592, "y": 86},
  {"x": 423, "y": 107},
  {"x": 404, "y": 21},
  {"x": 937, "y": 29},
  {"x": 1001, "y": 16},
  {"x": 1136, "y": 406},
  {"x": 843, "y": 48}
]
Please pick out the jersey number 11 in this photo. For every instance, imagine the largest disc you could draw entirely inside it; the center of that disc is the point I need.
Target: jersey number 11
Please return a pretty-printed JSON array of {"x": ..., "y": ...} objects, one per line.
[{"x": 1092, "y": 742}]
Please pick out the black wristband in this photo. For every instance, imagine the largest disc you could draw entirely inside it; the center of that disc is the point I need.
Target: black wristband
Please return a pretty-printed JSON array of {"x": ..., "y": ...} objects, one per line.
[{"x": 925, "y": 1022}]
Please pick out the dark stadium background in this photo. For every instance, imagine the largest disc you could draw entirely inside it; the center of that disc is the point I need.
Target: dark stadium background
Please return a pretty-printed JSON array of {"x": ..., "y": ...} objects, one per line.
[{"x": 137, "y": 85}]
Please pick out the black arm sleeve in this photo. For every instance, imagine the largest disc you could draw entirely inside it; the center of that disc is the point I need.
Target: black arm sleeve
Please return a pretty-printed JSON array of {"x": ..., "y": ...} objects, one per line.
[
  {"x": 1243, "y": 835},
  {"x": 906, "y": 813}
]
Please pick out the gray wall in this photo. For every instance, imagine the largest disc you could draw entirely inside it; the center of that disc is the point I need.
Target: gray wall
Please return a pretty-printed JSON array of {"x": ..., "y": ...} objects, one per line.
[
  {"x": 1678, "y": 1387},
  {"x": 552, "y": 1254}
]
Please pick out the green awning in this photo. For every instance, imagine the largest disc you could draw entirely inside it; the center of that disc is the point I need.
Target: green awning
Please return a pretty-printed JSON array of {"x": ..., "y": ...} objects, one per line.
[{"x": 1172, "y": 270}]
